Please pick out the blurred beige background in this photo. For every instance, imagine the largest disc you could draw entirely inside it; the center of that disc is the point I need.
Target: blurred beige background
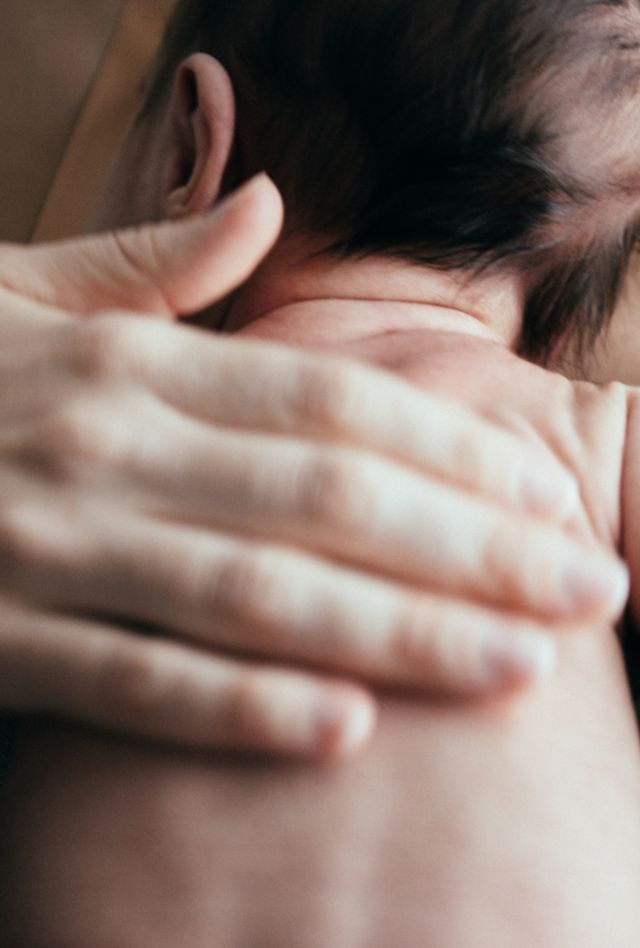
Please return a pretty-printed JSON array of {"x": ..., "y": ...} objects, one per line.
[{"x": 69, "y": 71}]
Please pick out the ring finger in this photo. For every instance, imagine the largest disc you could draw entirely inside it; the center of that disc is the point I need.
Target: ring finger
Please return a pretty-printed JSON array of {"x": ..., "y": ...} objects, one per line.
[{"x": 274, "y": 602}]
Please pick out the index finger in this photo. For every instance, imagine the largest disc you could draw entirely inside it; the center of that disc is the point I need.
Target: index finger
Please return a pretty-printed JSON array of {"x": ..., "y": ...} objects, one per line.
[{"x": 271, "y": 388}]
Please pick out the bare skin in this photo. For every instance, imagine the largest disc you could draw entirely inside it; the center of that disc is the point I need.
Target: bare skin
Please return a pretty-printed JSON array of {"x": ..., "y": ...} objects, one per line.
[
  {"x": 109, "y": 414},
  {"x": 390, "y": 849},
  {"x": 509, "y": 824}
]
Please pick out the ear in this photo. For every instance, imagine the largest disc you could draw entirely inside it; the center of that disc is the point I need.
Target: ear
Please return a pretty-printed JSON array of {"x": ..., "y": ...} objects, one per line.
[{"x": 200, "y": 133}]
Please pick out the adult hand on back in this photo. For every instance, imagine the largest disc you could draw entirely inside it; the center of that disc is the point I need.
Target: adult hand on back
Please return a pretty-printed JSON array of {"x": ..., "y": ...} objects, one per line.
[{"x": 178, "y": 508}]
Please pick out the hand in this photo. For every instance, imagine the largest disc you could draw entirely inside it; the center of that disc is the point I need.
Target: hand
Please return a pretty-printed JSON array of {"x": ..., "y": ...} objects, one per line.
[{"x": 240, "y": 496}]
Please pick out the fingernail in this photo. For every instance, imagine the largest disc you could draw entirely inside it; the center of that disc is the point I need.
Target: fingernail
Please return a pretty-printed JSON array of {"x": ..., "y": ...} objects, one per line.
[
  {"x": 545, "y": 493},
  {"x": 596, "y": 582},
  {"x": 512, "y": 658},
  {"x": 343, "y": 726}
]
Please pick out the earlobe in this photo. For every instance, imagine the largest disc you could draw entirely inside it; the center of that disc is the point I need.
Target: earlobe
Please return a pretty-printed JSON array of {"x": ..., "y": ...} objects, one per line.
[{"x": 201, "y": 124}]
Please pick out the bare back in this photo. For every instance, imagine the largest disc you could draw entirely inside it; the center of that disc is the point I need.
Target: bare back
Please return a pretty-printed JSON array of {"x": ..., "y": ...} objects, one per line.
[{"x": 460, "y": 826}]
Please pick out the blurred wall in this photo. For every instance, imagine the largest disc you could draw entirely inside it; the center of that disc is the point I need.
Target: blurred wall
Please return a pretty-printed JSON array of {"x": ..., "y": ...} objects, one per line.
[
  {"x": 69, "y": 73},
  {"x": 50, "y": 51}
]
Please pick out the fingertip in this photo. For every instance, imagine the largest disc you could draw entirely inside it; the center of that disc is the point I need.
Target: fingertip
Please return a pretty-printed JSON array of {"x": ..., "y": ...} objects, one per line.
[
  {"x": 205, "y": 257},
  {"x": 261, "y": 201},
  {"x": 257, "y": 203},
  {"x": 345, "y": 725},
  {"x": 510, "y": 659},
  {"x": 548, "y": 493},
  {"x": 595, "y": 583},
  {"x": 262, "y": 188},
  {"x": 260, "y": 192}
]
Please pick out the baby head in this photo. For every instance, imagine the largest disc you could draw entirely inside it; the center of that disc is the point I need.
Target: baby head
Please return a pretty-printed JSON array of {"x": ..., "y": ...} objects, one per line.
[{"x": 471, "y": 135}]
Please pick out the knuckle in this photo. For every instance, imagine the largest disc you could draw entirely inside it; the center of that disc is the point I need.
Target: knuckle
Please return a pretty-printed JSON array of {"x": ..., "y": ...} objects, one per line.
[
  {"x": 413, "y": 637},
  {"x": 134, "y": 684},
  {"x": 497, "y": 540},
  {"x": 509, "y": 553},
  {"x": 17, "y": 534},
  {"x": 31, "y": 539},
  {"x": 249, "y": 716},
  {"x": 81, "y": 434},
  {"x": 335, "y": 489},
  {"x": 249, "y": 585},
  {"x": 103, "y": 346},
  {"x": 481, "y": 456},
  {"x": 469, "y": 457},
  {"x": 435, "y": 642},
  {"x": 327, "y": 396},
  {"x": 69, "y": 430}
]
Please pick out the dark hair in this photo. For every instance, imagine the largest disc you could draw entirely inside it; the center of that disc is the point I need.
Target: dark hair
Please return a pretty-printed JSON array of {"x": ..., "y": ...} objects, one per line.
[{"x": 452, "y": 133}]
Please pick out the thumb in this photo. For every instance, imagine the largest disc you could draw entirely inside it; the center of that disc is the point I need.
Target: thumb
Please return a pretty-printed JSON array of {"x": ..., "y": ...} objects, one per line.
[{"x": 162, "y": 269}]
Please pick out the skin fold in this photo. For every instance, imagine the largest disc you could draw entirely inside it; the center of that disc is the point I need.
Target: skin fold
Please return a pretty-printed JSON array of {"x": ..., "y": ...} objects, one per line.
[
  {"x": 516, "y": 822},
  {"x": 466, "y": 825}
]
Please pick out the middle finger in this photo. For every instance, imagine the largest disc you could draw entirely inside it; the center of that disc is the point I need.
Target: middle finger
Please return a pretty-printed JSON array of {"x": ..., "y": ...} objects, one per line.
[{"x": 350, "y": 505}]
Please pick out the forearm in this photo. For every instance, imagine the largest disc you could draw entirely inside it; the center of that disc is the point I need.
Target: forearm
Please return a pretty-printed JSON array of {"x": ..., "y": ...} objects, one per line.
[{"x": 459, "y": 826}]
